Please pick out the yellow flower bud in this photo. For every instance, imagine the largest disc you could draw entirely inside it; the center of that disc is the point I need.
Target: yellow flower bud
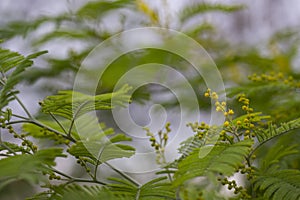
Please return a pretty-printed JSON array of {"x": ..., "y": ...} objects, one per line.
[
  {"x": 226, "y": 123},
  {"x": 230, "y": 112},
  {"x": 214, "y": 96},
  {"x": 218, "y": 109}
]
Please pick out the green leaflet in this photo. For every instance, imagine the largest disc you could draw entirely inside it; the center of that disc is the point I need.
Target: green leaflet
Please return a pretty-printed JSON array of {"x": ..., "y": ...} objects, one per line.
[
  {"x": 223, "y": 158},
  {"x": 71, "y": 104},
  {"x": 193, "y": 143},
  {"x": 76, "y": 192},
  {"x": 100, "y": 152},
  {"x": 279, "y": 184},
  {"x": 275, "y": 154},
  {"x": 67, "y": 34},
  {"x": 8, "y": 61},
  {"x": 264, "y": 135},
  {"x": 200, "y": 8},
  {"x": 39, "y": 132},
  {"x": 22, "y": 28},
  {"x": 28, "y": 167},
  {"x": 4, "y": 146},
  {"x": 97, "y": 9},
  {"x": 155, "y": 189},
  {"x": 98, "y": 143}
]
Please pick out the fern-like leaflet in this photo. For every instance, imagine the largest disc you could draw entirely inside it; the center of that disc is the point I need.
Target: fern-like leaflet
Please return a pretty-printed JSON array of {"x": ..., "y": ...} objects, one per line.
[
  {"x": 264, "y": 135},
  {"x": 12, "y": 65},
  {"x": 223, "y": 158},
  {"x": 279, "y": 184}
]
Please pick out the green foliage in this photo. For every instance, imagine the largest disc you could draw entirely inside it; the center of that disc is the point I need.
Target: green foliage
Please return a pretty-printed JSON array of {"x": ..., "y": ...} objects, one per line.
[
  {"x": 279, "y": 184},
  {"x": 263, "y": 135},
  {"x": 223, "y": 158},
  {"x": 71, "y": 104},
  {"x": 28, "y": 167},
  {"x": 155, "y": 189},
  {"x": 100, "y": 153},
  {"x": 96, "y": 10},
  {"x": 200, "y": 8},
  {"x": 209, "y": 161},
  {"x": 11, "y": 60},
  {"x": 77, "y": 192}
]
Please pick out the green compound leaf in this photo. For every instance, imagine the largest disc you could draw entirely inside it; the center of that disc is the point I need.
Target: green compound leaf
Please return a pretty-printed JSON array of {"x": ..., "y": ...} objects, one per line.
[
  {"x": 200, "y": 8},
  {"x": 155, "y": 189},
  {"x": 223, "y": 158},
  {"x": 77, "y": 192},
  {"x": 28, "y": 167},
  {"x": 71, "y": 104},
  {"x": 10, "y": 60},
  {"x": 279, "y": 184},
  {"x": 264, "y": 135},
  {"x": 97, "y": 9}
]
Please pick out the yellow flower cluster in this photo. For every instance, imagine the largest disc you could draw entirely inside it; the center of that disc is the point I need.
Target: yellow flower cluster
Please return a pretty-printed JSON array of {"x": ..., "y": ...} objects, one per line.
[
  {"x": 199, "y": 128},
  {"x": 220, "y": 106},
  {"x": 275, "y": 77},
  {"x": 160, "y": 143},
  {"x": 233, "y": 129}
]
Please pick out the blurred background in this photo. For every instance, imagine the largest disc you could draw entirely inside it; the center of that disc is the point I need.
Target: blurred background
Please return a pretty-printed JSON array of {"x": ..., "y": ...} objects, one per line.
[{"x": 242, "y": 37}]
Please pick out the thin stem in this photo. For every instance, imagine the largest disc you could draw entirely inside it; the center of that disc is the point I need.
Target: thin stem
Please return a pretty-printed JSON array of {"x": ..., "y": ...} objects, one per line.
[
  {"x": 98, "y": 163},
  {"x": 53, "y": 130},
  {"x": 235, "y": 133},
  {"x": 23, "y": 106},
  {"x": 42, "y": 126},
  {"x": 78, "y": 180},
  {"x": 19, "y": 116},
  {"x": 59, "y": 124},
  {"x": 263, "y": 142},
  {"x": 61, "y": 173},
  {"x": 8, "y": 148},
  {"x": 75, "y": 116},
  {"x": 5, "y": 146},
  {"x": 122, "y": 174},
  {"x": 96, "y": 169},
  {"x": 5, "y": 155},
  {"x": 71, "y": 179},
  {"x": 137, "y": 196}
]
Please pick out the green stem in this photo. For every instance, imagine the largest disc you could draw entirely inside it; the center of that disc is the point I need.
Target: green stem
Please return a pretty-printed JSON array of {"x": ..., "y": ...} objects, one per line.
[
  {"x": 19, "y": 116},
  {"x": 71, "y": 179},
  {"x": 85, "y": 181},
  {"x": 23, "y": 106},
  {"x": 123, "y": 174},
  {"x": 35, "y": 122},
  {"x": 263, "y": 142},
  {"x": 98, "y": 163},
  {"x": 75, "y": 116},
  {"x": 61, "y": 173},
  {"x": 53, "y": 130},
  {"x": 59, "y": 124},
  {"x": 5, "y": 146}
]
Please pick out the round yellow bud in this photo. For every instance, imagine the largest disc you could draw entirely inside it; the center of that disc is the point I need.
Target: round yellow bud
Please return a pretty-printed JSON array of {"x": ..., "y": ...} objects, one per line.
[
  {"x": 214, "y": 95},
  {"x": 218, "y": 109},
  {"x": 226, "y": 123},
  {"x": 230, "y": 112}
]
